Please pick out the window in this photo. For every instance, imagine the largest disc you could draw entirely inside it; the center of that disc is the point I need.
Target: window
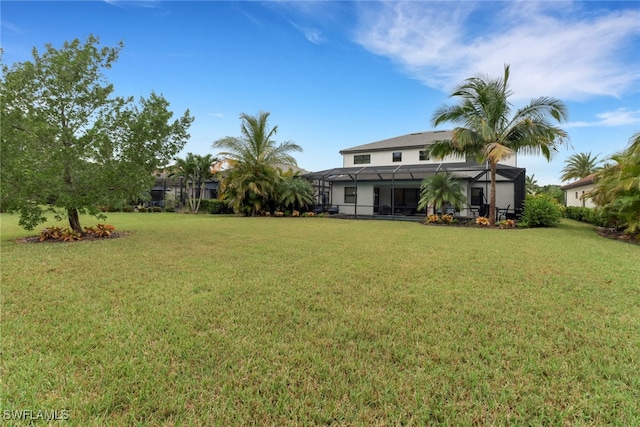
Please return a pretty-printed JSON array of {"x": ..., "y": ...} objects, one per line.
[
  {"x": 477, "y": 196},
  {"x": 361, "y": 159},
  {"x": 424, "y": 155},
  {"x": 576, "y": 194},
  {"x": 349, "y": 194},
  {"x": 397, "y": 156}
]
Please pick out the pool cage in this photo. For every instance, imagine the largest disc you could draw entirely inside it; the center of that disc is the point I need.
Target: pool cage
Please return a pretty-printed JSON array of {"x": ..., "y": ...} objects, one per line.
[{"x": 393, "y": 192}]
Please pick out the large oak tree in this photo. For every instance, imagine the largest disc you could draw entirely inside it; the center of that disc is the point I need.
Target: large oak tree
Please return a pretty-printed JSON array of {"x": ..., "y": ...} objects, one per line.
[{"x": 69, "y": 144}]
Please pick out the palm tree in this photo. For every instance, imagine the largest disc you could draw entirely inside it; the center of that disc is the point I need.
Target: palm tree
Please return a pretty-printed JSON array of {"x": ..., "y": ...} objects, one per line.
[
  {"x": 203, "y": 172},
  {"x": 579, "y": 166},
  {"x": 295, "y": 192},
  {"x": 252, "y": 180},
  {"x": 195, "y": 170},
  {"x": 439, "y": 190},
  {"x": 186, "y": 169},
  {"x": 617, "y": 186},
  {"x": 531, "y": 185},
  {"x": 488, "y": 130}
]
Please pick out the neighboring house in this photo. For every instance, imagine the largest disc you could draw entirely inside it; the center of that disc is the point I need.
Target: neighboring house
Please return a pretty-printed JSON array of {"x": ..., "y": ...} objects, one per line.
[
  {"x": 177, "y": 187},
  {"x": 575, "y": 192},
  {"x": 384, "y": 177}
]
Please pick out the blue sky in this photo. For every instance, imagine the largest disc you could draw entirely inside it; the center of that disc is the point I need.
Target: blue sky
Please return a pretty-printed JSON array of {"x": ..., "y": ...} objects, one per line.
[{"x": 339, "y": 74}]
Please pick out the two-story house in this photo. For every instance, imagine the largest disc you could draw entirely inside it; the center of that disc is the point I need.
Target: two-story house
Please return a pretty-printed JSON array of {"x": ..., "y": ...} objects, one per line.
[{"x": 384, "y": 177}]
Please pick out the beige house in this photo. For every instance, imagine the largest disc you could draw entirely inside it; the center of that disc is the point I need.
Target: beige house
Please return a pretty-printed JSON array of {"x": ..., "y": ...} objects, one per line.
[{"x": 575, "y": 192}]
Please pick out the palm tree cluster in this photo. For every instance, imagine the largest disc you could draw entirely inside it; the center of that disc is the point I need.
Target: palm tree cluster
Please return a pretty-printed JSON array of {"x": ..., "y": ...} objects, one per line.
[
  {"x": 195, "y": 170},
  {"x": 256, "y": 181},
  {"x": 617, "y": 187},
  {"x": 489, "y": 131}
]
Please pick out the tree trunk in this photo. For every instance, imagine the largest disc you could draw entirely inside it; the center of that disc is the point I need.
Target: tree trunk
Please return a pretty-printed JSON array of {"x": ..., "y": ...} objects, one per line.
[
  {"x": 200, "y": 197},
  {"x": 74, "y": 220},
  {"x": 492, "y": 197}
]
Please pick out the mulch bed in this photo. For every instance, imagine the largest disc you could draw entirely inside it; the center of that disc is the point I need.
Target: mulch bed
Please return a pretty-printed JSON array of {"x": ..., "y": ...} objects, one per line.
[
  {"x": 612, "y": 233},
  {"x": 85, "y": 238}
]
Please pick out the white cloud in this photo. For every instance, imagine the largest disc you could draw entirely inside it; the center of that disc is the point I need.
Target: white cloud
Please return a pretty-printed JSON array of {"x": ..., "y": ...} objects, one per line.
[
  {"x": 216, "y": 115},
  {"x": 313, "y": 35},
  {"x": 11, "y": 27},
  {"x": 551, "y": 50},
  {"x": 619, "y": 117}
]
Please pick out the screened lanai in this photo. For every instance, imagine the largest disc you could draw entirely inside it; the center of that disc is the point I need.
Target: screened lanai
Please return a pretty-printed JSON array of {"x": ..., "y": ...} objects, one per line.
[{"x": 394, "y": 191}]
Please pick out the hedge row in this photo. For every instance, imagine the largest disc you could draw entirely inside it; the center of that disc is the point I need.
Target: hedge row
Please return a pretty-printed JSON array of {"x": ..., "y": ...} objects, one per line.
[{"x": 593, "y": 216}]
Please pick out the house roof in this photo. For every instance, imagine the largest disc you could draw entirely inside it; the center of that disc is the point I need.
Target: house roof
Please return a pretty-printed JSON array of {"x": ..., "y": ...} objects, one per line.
[
  {"x": 412, "y": 140},
  {"x": 464, "y": 170},
  {"x": 587, "y": 180}
]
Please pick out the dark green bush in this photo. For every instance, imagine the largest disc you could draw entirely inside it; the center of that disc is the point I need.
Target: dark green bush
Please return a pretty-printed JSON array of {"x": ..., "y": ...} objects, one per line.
[
  {"x": 127, "y": 209},
  {"x": 215, "y": 206},
  {"x": 541, "y": 211},
  {"x": 595, "y": 216},
  {"x": 157, "y": 209}
]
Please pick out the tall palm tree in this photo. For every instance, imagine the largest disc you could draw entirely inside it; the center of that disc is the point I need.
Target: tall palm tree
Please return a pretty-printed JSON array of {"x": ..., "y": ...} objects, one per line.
[
  {"x": 579, "y": 165},
  {"x": 254, "y": 157},
  {"x": 203, "y": 170},
  {"x": 439, "y": 190},
  {"x": 186, "y": 169},
  {"x": 488, "y": 130}
]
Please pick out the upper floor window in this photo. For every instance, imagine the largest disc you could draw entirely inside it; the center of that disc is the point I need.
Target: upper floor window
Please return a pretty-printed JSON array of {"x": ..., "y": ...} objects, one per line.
[
  {"x": 397, "y": 156},
  {"x": 361, "y": 159},
  {"x": 424, "y": 155}
]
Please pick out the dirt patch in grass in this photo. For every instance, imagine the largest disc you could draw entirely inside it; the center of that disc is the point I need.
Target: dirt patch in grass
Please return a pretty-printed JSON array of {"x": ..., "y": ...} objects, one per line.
[{"x": 87, "y": 237}]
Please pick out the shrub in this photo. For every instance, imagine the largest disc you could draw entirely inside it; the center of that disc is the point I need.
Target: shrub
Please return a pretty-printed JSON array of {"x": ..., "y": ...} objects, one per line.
[
  {"x": 215, "y": 206},
  {"x": 169, "y": 202},
  {"x": 482, "y": 221},
  {"x": 127, "y": 209},
  {"x": 156, "y": 209},
  {"x": 507, "y": 223},
  {"x": 279, "y": 214},
  {"x": 100, "y": 230},
  {"x": 69, "y": 235},
  {"x": 433, "y": 219},
  {"x": 51, "y": 233},
  {"x": 597, "y": 216},
  {"x": 541, "y": 211},
  {"x": 296, "y": 213},
  {"x": 446, "y": 219}
]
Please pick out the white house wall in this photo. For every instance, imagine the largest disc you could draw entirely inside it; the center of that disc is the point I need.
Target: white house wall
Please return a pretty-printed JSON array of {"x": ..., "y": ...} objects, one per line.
[
  {"x": 410, "y": 156},
  {"x": 574, "y": 196},
  {"x": 385, "y": 158}
]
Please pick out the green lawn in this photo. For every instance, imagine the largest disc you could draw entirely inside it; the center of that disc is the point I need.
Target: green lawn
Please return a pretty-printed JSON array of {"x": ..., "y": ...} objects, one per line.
[{"x": 203, "y": 320}]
